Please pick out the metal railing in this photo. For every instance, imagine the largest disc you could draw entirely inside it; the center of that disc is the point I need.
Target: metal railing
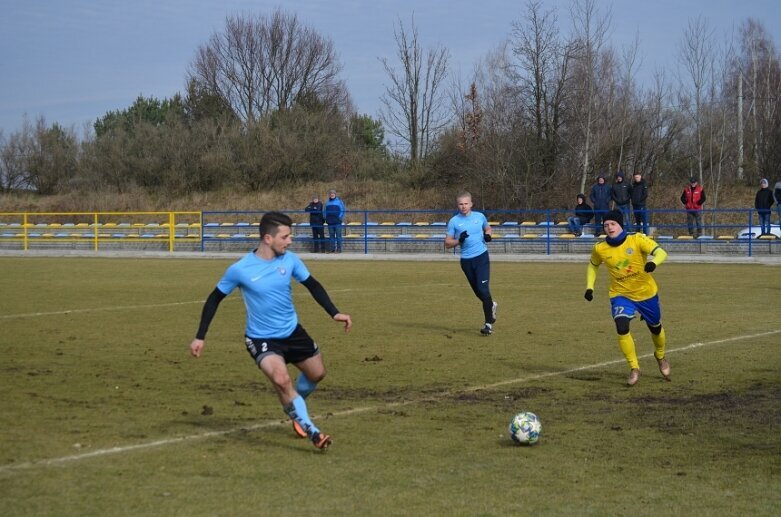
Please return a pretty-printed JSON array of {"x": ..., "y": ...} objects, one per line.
[{"x": 727, "y": 231}]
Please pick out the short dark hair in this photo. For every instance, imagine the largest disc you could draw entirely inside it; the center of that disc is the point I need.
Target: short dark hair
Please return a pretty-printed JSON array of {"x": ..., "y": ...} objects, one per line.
[{"x": 271, "y": 221}]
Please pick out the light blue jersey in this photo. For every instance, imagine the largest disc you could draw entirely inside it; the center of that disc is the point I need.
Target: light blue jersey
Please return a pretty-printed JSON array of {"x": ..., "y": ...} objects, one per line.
[
  {"x": 473, "y": 224},
  {"x": 267, "y": 292}
]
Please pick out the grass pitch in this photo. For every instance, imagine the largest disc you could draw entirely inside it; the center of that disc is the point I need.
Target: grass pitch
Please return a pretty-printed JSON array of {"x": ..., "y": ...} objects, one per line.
[{"x": 105, "y": 413}]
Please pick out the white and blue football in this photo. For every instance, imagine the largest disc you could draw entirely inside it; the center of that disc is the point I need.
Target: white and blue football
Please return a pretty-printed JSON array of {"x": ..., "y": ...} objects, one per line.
[{"x": 525, "y": 428}]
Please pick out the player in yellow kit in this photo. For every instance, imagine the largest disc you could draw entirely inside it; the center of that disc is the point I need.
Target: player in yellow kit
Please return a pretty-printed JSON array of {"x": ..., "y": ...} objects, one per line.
[{"x": 633, "y": 290}]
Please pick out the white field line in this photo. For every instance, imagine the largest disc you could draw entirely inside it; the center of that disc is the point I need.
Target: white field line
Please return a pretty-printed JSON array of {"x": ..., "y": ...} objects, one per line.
[
  {"x": 174, "y": 304},
  {"x": 97, "y": 309},
  {"x": 200, "y": 436}
]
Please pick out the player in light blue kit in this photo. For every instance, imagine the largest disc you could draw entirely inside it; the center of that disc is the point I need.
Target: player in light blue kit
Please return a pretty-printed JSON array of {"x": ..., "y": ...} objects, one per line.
[
  {"x": 471, "y": 231},
  {"x": 273, "y": 336}
]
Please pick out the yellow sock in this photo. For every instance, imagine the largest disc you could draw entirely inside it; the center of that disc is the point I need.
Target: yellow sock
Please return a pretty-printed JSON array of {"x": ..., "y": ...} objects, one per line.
[
  {"x": 660, "y": 341},
  {"x": 627, "y": 344}
]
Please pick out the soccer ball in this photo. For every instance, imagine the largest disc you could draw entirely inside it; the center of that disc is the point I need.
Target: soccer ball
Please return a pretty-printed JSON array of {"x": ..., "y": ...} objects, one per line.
[{"x": 525, "y": 428}]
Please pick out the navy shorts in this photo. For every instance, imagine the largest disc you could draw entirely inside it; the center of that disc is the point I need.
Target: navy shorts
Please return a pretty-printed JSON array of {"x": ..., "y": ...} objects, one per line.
[{"x": 295, "y": 348}]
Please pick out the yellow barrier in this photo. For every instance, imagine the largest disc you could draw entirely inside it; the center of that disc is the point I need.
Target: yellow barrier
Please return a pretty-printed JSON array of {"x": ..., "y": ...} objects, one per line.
[{"x": 97, "y": 227}]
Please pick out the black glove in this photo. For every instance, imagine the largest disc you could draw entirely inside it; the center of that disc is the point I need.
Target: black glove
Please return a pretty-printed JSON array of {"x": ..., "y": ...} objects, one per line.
[
  {"x": 650, "y": 266},
  {"x": 487, "y": 237},
  {"x": 462, "y": 237},
  {"x": 589, "y": 294}
]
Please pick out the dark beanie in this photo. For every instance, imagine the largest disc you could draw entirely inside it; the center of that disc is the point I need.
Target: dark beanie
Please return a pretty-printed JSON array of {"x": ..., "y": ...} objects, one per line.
[{"x": 615, "y": 215}]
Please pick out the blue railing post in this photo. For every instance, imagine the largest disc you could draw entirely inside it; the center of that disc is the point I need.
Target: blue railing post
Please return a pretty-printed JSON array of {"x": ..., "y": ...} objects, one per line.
[
  {"x": 365, "y": 232},
  {"x": 549, "y": 220}
]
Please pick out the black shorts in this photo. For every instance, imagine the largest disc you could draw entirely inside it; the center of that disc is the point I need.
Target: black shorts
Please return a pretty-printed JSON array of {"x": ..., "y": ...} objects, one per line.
[{"x": 295, "y": 348}]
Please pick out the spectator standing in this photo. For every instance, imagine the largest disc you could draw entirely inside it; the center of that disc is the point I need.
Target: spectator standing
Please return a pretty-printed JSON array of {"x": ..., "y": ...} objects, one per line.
[
  {"x": 763, "y": 202},
  {"x": 316, "y": 222},
  {"x": 777, "y": 197},
  {"x": 619, "y": 194},
  {"x": 583, "y": 215},
  {"x": 334, "y": 215},
  {"x": 638, "y": 192},
  {"x": 693, "y": 197},
  {"x": 600, "y": 200}
]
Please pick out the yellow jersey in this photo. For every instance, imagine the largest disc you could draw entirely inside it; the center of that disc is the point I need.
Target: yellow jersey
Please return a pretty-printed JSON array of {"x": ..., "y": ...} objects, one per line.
[{"x": 626, "y": 264}]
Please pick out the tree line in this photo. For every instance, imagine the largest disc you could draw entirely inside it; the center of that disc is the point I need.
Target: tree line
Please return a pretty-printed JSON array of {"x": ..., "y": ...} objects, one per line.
[{"x": 264, "y": 107}]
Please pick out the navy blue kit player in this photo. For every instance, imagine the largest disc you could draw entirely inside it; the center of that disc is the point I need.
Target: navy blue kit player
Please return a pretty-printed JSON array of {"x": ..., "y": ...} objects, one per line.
[
  {"x": 470, "y": 230},
  {"x": 273, "y": 335}
]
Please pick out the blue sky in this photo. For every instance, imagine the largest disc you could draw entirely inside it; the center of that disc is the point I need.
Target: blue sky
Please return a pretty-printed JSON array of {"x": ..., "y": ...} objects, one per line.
[{"x": 73, "y": 60}]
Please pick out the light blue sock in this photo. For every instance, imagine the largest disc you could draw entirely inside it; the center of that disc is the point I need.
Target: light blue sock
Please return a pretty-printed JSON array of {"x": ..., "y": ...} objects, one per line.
[
  {"x": 297, "y": 411},
  {"x": 304, "y": 386}
]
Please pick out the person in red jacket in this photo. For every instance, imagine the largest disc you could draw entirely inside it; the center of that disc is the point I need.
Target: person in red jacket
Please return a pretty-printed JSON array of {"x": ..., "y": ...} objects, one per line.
[{"x": 693, "y": 198}]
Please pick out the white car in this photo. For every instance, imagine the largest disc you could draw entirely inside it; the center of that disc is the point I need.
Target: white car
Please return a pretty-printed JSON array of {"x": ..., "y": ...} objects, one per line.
[{"x": 754, "y": 231}]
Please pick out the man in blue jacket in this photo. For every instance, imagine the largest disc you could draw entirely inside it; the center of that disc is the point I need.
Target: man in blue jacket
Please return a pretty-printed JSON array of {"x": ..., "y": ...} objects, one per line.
[{"x": 334, "y": 214}]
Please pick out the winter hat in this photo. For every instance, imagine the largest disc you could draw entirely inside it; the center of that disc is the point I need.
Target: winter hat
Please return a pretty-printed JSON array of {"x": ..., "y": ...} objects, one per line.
[
  {"x": 620, "y": 174},
  {"x": 332, "y": 191},
  {"x": 763, "y": 181},
  {"x": 692, "y": 180},
  {"x": 615, "y": 215}
]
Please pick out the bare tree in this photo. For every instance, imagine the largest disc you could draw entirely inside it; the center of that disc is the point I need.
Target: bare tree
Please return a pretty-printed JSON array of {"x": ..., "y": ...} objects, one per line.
[
  {"x": 590, "y": 30},
  {"x": 541, "y": 74},
  {"x": 762, "y": 69},
  {"x": 696, "y": 54},
  {"x": 414, "y": 103},
  {"x": 258, "y": 64}
]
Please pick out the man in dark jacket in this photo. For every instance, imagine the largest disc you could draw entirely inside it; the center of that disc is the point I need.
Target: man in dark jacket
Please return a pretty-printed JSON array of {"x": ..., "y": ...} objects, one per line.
[
  {"x": 619, "y": 194},
  {"x": 583, "y": 214},
  {"x": 763, "y": 202},
  {"x": 638, "y": 192},
  {"x": 316, "y": 222},
  {"x": 600, "y": 200}
]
